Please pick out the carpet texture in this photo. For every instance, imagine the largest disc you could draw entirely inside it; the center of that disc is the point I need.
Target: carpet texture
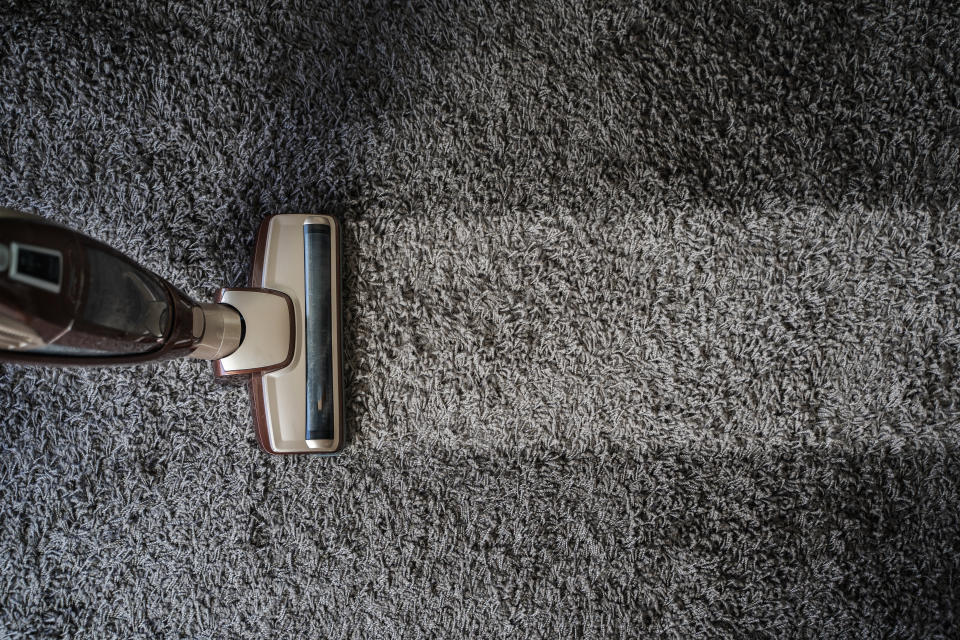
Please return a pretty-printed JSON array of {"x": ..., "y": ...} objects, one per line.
[{"x": 652, "y": 315}]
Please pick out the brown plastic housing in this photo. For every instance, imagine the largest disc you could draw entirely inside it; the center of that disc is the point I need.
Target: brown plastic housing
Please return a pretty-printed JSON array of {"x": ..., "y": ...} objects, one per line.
[{"x": 56, "y": 315}]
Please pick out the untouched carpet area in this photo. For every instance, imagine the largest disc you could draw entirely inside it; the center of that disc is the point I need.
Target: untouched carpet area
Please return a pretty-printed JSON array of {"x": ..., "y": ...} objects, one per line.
[{"x": 652, "y": 314}]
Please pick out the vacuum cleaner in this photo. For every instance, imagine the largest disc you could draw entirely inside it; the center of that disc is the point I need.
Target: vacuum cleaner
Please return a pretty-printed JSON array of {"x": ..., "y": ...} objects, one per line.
[{"x": 67, "y": 299}]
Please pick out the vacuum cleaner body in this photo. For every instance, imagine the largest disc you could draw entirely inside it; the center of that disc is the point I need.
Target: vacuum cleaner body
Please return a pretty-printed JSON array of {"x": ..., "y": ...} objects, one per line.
[{"x": 66, "y": 299}]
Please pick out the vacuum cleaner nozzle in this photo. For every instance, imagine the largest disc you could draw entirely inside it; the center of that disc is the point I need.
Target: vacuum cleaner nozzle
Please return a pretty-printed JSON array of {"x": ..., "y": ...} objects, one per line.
[{"x": 298, "y": 393}]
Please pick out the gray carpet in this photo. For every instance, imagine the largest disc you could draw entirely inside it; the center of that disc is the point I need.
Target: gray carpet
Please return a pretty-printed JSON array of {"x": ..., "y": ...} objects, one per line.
[{"x": 653, "y": 320}]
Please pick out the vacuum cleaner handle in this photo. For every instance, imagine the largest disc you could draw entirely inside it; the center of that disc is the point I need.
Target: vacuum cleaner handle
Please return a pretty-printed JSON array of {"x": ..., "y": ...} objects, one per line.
[{"x": 68, "y": 299}]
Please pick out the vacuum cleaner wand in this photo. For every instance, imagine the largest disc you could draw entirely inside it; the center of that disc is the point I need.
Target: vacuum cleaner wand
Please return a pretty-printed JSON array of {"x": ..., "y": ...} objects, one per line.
[{"x": 67, "y": 299}]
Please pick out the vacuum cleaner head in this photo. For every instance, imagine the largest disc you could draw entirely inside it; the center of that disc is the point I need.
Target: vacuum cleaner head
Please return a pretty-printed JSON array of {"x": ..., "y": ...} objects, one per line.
[
  {"x": 296, "y": 385},
  {"x": 66, "y": 299}
]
